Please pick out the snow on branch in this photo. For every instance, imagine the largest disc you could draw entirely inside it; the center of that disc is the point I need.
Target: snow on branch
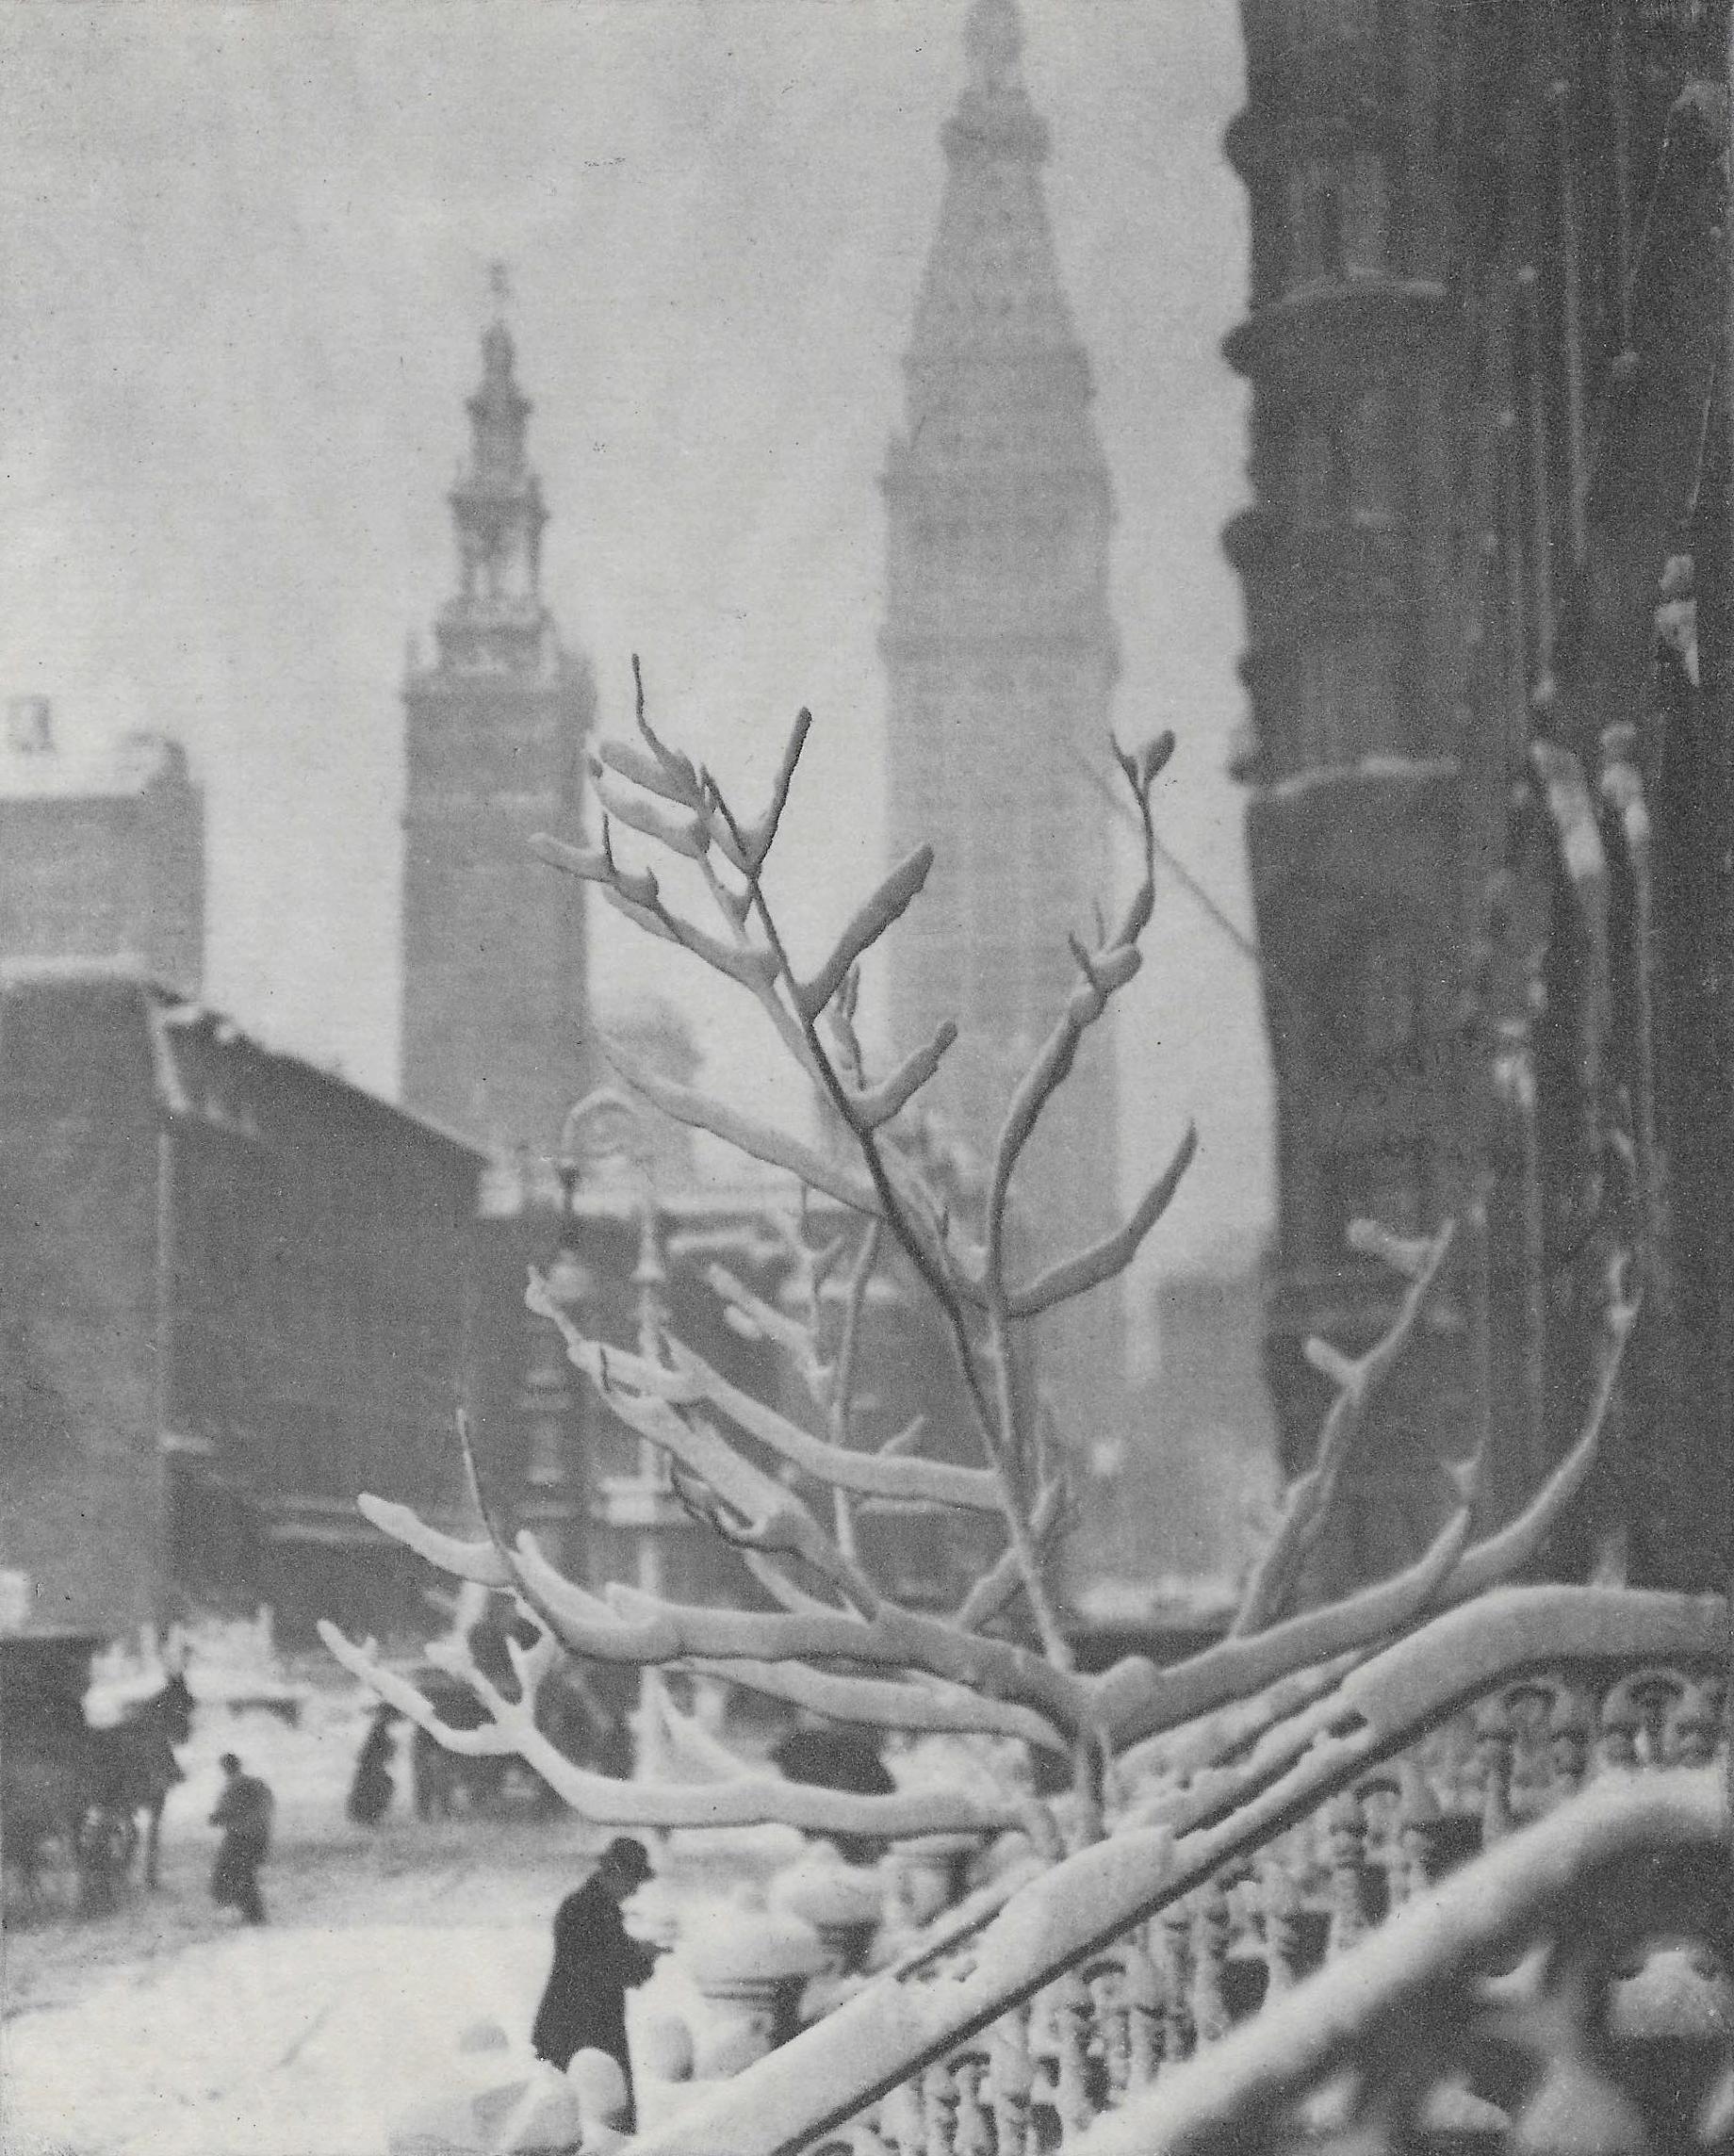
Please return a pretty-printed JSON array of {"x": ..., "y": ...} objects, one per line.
[
  {"x": 997, "y": 1588},
  {"x": 643, "y": 1628},
  {"x": 479, "y": 1561},
  {"x": 869, "y": 921},
  {"x": 628, "y": 1382},
  {"x": 1494, "y": 1559},
  {"x": 758, "y": 1141},
  {"x": 747, "y": 1799},
  {"x": 1103, "y": 1261},
  {"x": 1105, "y": 970},
  {"x": 906, "y": 1476},
  {"x": 885, "y": 1703},
  {"x": 1357, "y": 1380},
  {"x": 1137, "y": 1700}
]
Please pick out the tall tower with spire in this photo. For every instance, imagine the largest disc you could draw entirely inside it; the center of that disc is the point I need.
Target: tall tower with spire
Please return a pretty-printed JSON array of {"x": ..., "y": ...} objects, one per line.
[
  {"x": 494, "y": 972},
  {"x": 1002, "y": 660}
]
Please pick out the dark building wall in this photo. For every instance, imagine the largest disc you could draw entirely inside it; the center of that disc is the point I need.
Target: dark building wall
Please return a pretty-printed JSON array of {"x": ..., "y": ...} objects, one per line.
[
  {"x": 318, "y": 1315},
  {"x": 236, "y": 1290},
  {"x": 108, "y": 874},
  {"x": 1487, "y": 449},
  {"x": 81, "y": 1508}
]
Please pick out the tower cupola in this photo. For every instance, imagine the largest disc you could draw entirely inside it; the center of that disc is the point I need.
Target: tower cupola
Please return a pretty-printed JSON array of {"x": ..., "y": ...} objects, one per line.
[{"x": 495, "y": 621}]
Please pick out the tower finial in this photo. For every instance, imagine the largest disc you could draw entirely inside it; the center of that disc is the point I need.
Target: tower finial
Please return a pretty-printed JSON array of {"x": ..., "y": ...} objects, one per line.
[
  {"x": 993, "y": 38},
  {"x": 496, "y": 348}
]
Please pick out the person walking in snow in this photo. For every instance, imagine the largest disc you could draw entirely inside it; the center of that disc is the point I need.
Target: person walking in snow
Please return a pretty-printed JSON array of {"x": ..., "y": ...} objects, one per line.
[
  {"x": 596, "y": 1965},
  {"x": 244, "y": 1813},
  {"x": 371, "y": 1791}
]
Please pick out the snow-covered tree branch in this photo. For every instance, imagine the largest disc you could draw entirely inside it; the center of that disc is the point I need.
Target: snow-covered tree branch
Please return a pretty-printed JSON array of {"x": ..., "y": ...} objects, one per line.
[{"x": 790, "y": 1496}]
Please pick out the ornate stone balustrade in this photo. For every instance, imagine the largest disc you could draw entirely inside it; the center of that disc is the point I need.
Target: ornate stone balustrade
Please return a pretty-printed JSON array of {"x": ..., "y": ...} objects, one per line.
[
  {"x": 1105, "y": 1975},
  {"x": 1568, "y": 1990}
]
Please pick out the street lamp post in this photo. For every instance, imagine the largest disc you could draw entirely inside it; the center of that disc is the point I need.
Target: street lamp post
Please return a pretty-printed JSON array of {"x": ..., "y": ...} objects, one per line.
[{"x": 603, "y": 1127}]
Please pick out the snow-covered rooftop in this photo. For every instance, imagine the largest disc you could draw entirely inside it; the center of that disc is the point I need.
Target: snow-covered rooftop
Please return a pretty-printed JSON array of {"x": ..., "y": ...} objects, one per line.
[{"x": 34, "y": 766}]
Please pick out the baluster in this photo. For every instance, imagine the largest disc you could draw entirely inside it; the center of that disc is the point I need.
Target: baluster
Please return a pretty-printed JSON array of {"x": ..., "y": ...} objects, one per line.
[
  {"x": 1693, "y": 1724},
  {"x": 1417, "y": 1834},
  {"x": 1715, "y": 1691},
  {"x": 1446, "y": 1758},
  {"x": 1492, "y": 1753},
  {"x": 1176, "y": 1968},
  {"x": 1657, "y": 1694},
  {"x": 1142, "y": 1993},
  {"x": 1380, "y": 1807},
  {"x": 1070, "y": 1996},
  {"x": 939, "y": 2103},
  {"x": 1570, "y": 1729},
  {"x": 1279, "y": 1911},
  {"x": 1107, "y": 1980},
  {"x": 1346, "y": 1826},
  {"x": 1012, "y": 2084},
  {"x": 1211, "y": 1923},
  {"x": 902, "y": 2119},
  {"x": 876, "y": 2139},
  {"x": 974, "y": 2134},
  {"x": 1529, "y": 1705},
  {"x": 864, "y": 2136},
  {"x": 1620, "y": 1724}
]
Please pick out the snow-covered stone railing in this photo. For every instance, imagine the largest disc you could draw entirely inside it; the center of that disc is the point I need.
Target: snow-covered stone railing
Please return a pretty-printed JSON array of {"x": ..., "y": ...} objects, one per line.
[
  {"x": 1569, "y": 1988},
  {"x": 1223, "y": 1889}
]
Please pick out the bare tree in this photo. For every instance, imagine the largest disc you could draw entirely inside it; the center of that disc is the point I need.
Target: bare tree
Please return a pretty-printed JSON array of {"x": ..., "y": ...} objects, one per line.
[{"x": 835, "y": 1642}]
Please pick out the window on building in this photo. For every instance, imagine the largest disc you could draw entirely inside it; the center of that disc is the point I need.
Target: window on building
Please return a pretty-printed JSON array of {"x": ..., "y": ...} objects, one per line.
[
  {"x": 1363, "y": 213},
  {"x": 1340, "y": 216},
  {"x": 1347, "y": 694}
]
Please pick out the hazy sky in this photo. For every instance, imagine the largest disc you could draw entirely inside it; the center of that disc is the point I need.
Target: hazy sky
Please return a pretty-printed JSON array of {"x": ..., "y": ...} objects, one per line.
[{"x": 246, "y": 268}]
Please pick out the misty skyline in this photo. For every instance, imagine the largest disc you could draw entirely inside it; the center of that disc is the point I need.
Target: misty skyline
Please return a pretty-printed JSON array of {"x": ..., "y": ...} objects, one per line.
[{"x": 250, "y": 255}]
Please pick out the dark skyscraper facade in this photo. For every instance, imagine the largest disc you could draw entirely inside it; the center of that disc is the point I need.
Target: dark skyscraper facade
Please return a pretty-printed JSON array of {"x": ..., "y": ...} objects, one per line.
[
  {"x": 1001, "y": 660},
  {"x": 494, "y": 973},
  {"x": 1488, "y": 610}
]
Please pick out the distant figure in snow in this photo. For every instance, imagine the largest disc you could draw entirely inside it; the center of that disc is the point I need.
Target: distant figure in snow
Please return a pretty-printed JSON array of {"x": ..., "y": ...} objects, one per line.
[
  {"x": 828, "y": 1757},
  {"x": 371, "y": 1791},
  {"x": 244, "y": 1813},
  {"x": 596, "y": 1964}
]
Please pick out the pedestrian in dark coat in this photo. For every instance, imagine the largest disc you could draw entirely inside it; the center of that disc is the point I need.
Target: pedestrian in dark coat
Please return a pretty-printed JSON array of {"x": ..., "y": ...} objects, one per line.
[
  {"x": 596, "y": 1965},
  {"x": 371, "y": 1792},
  {"x": 244, "y": 1813}
]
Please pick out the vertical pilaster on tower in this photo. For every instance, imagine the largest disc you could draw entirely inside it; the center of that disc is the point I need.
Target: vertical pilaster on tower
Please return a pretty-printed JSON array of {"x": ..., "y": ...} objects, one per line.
[
  {"x": 1002, "y": 660},
  {"x": 494, "y": 953}
]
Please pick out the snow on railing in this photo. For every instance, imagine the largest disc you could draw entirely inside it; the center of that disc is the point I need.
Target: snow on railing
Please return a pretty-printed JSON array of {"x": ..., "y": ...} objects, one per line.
[
  {"x": 1135, "y": 1954},
  {"x": 1570, "y": 1987}
]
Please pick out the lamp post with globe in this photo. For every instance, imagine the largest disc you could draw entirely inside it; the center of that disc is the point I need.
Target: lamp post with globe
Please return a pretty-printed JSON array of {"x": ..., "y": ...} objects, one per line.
[{"x": 606, "y": 1130}]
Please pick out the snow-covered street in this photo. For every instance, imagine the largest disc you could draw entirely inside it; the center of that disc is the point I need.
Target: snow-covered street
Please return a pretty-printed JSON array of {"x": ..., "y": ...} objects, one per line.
[{"x": 163, "y": 2028}]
